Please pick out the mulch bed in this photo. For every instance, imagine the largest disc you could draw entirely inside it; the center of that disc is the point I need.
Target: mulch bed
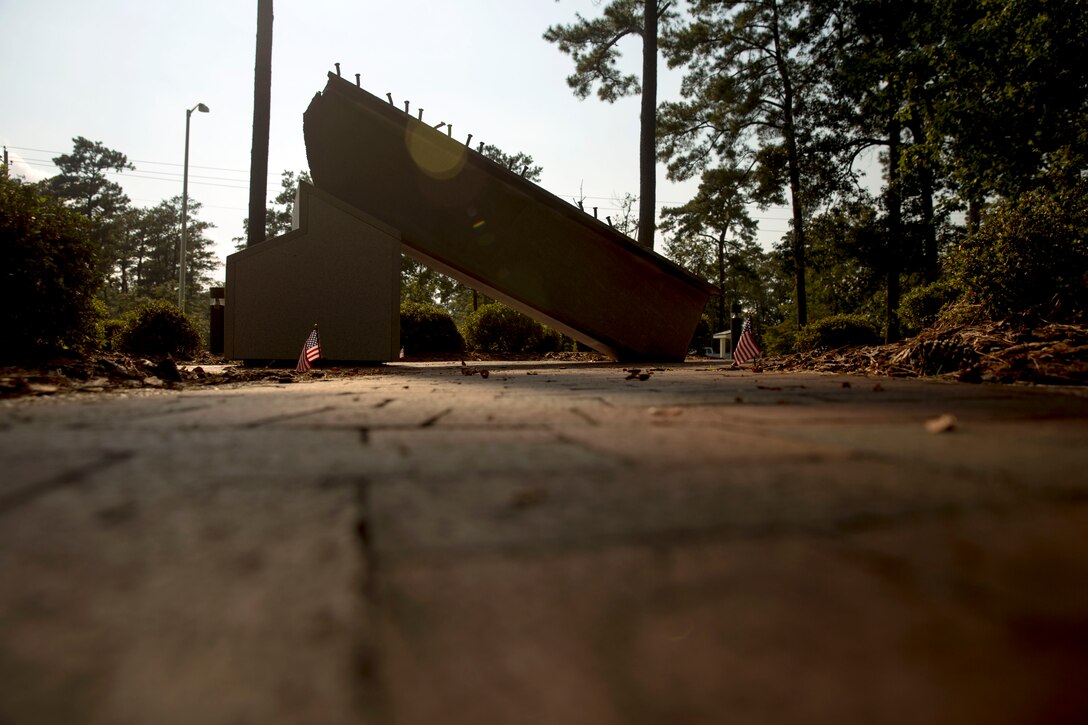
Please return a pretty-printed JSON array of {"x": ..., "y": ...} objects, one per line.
[{"x": 999, "y": 352}]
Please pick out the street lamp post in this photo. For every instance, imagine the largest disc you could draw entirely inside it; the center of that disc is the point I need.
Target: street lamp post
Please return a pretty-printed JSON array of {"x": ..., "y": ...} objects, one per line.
[{"x": 185, "y": 207}]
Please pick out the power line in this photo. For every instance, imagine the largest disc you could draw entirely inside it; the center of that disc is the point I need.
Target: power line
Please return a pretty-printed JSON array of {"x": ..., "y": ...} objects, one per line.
[
  {"x": 161, "y": 175},
  {"x": 135, "y": 161}
]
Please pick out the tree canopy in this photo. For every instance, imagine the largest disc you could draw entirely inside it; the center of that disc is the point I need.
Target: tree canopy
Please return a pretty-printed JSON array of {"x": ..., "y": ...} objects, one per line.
[{"x": 136, "y": 249}]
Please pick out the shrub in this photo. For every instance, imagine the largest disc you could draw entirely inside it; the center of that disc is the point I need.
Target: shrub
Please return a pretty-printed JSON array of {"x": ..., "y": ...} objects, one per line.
[
  {"x": 837, "y": 331},
  {"x": 1029, "y": 258},
  {"x": 921, "y": 306},
  {"x": 780, "y": 339},
  {"x": 47, "y": 268},
  {"x": 158, "y": 328},
  {"x": 111, "y": 333},
  {"x": 428, "y": 328},
  {"x": 497, "y": 328}
]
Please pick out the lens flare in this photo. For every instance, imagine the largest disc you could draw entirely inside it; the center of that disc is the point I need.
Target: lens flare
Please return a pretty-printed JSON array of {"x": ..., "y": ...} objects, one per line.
[{"x": 434, "y": 154}]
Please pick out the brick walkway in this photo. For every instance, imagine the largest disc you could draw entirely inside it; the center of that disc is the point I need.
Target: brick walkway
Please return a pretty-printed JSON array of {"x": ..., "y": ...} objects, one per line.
[{"x": 551, "y": 544}]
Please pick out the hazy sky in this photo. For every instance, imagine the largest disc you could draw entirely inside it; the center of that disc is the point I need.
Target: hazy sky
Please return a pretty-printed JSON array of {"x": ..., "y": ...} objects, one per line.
[{"x": 123, "y": 72}]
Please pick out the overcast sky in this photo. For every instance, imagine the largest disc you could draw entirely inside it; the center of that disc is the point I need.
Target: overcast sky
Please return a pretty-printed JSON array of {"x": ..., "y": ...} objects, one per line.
[{"x": 123, "y": 72}]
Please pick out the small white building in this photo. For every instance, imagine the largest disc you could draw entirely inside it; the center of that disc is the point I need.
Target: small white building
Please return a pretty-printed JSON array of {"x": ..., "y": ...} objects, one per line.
[{"x": 725, "y": 344}]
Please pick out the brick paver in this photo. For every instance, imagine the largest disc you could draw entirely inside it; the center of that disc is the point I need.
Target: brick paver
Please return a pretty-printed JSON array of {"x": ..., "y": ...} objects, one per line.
[{"x": 551, "y": 544}]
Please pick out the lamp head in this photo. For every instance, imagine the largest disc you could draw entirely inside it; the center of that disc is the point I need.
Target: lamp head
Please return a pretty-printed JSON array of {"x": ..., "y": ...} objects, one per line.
[{"x": 202, "y": 108}]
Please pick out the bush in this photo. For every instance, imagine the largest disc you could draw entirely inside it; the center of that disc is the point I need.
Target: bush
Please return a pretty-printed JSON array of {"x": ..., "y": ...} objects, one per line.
[
  {"x": 921, "y": 307},
  {"x": 497, "y": 328},
  {"x": 780, "y": 339},
  {"x": 111, "y": 333},
  {"x": 49, "y": 283},
  {"x": 837, "y": 331},
  {"x": 1029, "y": 258},
  {"x": 158, "y": 328},
  {"x": 428, "y": 328}
]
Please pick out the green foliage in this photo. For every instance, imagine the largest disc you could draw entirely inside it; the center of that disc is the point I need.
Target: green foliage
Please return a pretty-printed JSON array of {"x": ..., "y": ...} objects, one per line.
[
  {"x": 1012, "y": 97},
  {"x": 158, "y": 328},
  {"x": 427, "y": 328},
  {"x": 82, "y": 179},
  {"x": 748, "y": 93},
  {"x": 837, "y": 331},
  {"x": 136, "y": 248},
  {"x": 47, "y": 263},
  {"x": 922, "y": 305},
  {"x": 111, "y": 333},
  {"x": 593, "y": 46},
  {"x": 152, "y": 265},
  {"x": 520, "y": 162},
  {"x": 498, "y": 328},
  {"x": 1029, "y": 258},
  {"x": 83, "y": 186},
  {"x": 780, "y": 339}
]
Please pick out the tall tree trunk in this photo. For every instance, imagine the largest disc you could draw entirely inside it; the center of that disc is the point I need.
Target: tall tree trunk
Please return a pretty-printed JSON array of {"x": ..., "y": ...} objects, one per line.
[
  {"x": 647, "y": 146},
  {"x": 929, "y": 222},
  {"x": 262, "y": 111},
  {"x": 789, "y": 136},
  {"x": 721, "y": 280},
  {"x": 929, "y": 227},
  {"x": 974, "y": 215},
  {"x": 895, "y": 233}
]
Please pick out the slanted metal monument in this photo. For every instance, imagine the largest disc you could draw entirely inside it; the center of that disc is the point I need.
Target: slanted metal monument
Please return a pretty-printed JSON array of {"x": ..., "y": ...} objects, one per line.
[{"x": 461, "y": 213}]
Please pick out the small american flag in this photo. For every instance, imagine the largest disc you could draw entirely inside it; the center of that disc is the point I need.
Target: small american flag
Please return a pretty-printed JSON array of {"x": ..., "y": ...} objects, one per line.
[
  {"x": 310, "y": 352},
  {"x": 746, "y": 348}
]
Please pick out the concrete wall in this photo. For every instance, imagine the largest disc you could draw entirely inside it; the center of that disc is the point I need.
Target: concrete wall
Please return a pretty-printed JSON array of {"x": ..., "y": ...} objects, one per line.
[{"x": 339, "y": 268}]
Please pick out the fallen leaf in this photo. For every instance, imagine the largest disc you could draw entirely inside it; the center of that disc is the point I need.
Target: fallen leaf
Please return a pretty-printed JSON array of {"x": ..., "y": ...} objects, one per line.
[
  {"x": 941, "y": 424},
  {"x": 666, "y": 412}
]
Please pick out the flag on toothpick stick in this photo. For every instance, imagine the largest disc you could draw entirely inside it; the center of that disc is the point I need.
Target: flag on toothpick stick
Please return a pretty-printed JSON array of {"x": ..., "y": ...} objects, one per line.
[
  {"x": 310, "y": 352},
  {"x": 746, "y": 347}
]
